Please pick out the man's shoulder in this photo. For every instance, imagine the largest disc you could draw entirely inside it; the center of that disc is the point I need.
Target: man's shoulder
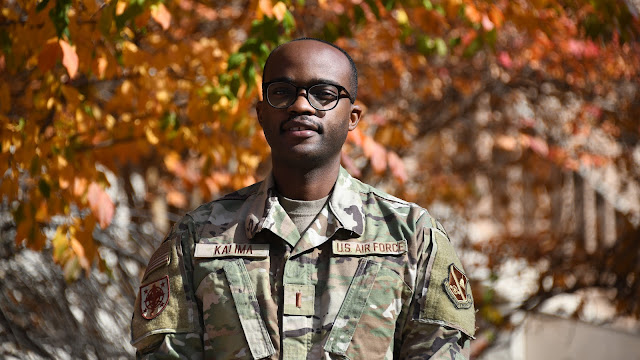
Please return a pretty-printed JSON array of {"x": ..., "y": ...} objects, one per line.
[
  {"x": 226, "y": 207},
  {"x": 370, "y": 193}
]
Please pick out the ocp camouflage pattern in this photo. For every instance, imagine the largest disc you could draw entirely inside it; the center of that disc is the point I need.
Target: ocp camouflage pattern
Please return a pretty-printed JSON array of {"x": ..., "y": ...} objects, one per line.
[{"x": 302, "y": 300}]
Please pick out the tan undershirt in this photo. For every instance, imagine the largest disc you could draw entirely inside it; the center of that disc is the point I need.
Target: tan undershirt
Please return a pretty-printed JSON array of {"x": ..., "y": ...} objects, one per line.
[{"x": 302, "y": 213}]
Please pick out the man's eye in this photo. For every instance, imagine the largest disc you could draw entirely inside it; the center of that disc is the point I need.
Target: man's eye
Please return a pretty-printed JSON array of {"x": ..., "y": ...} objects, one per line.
[
  {"x": 324, "y": 94},
  {"x": 281, "y": 91}
]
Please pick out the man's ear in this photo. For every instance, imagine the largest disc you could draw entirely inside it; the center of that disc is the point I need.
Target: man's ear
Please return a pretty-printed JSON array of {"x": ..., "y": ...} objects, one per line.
[{"x": 354, "y": 117}]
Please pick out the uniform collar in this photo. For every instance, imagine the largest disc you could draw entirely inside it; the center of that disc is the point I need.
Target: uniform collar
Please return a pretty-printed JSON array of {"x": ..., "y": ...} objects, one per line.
[{"x": 344, "y": 205}]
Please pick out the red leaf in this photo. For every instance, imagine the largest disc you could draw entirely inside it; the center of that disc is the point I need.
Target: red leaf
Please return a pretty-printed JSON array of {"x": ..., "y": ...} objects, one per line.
[
  {"x": 101, "y": 205},
  {"x": 505, "y": 60},
  {"x": 69, "y": 58}
]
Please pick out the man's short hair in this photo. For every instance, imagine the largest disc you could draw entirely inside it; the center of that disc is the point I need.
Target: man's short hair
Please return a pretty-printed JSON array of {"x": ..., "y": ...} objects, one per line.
[{"x": 354, "y": 71}]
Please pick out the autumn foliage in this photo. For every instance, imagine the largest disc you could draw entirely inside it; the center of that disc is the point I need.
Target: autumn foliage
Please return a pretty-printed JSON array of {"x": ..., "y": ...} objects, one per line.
[{"x": 93, "y": 88}]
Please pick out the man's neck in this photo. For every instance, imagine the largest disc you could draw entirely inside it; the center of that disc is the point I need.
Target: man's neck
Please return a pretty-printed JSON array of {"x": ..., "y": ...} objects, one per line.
[{"x": 305, "y": 184}]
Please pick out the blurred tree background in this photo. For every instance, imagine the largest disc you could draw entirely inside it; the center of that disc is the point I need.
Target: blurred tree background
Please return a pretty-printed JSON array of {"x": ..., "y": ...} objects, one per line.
[{"x": 514, "y": 122}]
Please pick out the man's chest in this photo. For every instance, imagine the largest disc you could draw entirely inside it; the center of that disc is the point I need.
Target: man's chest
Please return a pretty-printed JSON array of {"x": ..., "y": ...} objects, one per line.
[{"x": 265, "y": 298}]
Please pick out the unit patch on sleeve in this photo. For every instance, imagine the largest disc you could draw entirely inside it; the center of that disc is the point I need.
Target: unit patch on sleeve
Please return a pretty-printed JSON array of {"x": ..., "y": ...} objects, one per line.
[
  {"x": 154, "y": 297},
  {"x": 457, "y": 287}
]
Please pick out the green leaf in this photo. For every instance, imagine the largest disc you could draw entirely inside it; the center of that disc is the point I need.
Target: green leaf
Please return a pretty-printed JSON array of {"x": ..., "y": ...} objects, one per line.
[
  {"x": 374, "y": 8},
  {"x": 251, "y": 45},
  {"x": 234, "y": 85},
  {"x": 60, "y": 18},
  {"x": 359, "y": 15},
  {"x": 475, "y": 45},
  {"x": 5, "y": 42},
  {"x": 169, "y": 121},
  {"x": 106, "y": 20},
  {"x": 41, "y": 5},
  {"x": 34, "y": 167},
  {"x": 45, "y": 188},
  {"x": 235, "y": 60},
  {"x": 249, "y": 75},
  {"x": 289, "y": 22},
  {"x": 440, "y": 47},
  {"x": 389, "y": 4}
]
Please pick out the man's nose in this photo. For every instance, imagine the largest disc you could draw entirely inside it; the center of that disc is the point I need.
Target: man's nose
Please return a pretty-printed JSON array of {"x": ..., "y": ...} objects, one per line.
[{"x": 301, "y": 105}]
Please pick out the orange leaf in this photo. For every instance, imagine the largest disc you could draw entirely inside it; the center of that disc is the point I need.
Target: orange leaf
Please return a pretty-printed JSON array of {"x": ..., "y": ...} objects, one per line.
[
  {"x": 376, "y": 154},
  {"x": 355, "y": 136},
  {"x": 79, "y": 186},
  {"x": 472, "y": 13},
  {"x": 496, "y": 16},
  {"x": 177, "y": 199},
  {"x": 264, "y": 8},
  {"x": 161, "y": 15},
  {"x": 69, "y": 58},
  {"x": 349, "y": 165},
  {"x": 279, "y": 9},
  {"x": 49, "y": 55},
  {"x": 101, "y": 205},
  {"x": 397, "y": 167}
]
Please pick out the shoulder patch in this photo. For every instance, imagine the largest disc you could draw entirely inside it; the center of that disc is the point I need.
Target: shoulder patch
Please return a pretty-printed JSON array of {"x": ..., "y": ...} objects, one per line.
[
  {"x": 457, "y": 287},
  {"x": 154, "y": 297},
  {"x": 446, "y": 297}
]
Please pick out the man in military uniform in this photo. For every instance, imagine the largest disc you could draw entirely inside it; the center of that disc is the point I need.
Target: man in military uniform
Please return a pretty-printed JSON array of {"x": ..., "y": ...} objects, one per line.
[{"x": 310, "y": 263}]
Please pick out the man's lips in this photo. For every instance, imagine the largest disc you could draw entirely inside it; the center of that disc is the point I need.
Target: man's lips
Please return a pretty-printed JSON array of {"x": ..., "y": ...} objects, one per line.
[{"x": 295, "y": 125}]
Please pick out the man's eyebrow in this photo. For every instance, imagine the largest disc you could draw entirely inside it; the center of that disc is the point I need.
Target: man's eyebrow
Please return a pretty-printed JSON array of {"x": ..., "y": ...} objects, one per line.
[{"x": 310, "y": 82}]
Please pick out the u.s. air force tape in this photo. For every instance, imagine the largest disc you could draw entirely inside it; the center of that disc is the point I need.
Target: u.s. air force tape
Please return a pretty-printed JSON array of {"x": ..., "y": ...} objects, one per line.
[
  {"x": 224, "y": 250},
  {"x": 366, "y": 248}
]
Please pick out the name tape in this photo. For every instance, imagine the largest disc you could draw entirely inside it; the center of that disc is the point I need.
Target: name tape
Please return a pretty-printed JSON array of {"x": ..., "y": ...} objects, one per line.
[
  {"x": 358, "y": 248},
  {"x": 222, "y": 250}
]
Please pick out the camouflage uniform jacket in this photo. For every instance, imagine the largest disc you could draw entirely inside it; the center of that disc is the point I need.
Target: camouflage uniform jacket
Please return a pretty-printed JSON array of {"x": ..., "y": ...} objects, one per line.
[{"x": 373, "y": 277}]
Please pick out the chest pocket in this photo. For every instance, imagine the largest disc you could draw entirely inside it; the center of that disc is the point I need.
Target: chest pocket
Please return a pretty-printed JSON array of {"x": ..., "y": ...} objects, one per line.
[
  {"x": 231, "y": 312},
  {"x": 366, "y": 322}
]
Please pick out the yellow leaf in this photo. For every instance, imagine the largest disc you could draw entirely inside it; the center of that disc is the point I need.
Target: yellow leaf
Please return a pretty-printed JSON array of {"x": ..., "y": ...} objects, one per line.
[
  {"x": 402, "y": 17},
  {"x": 151, "y": 137},
  {"x": 120, "y": 7},
  {"x": 60, "y": 243},
  {"x": 42, "y": 214}
]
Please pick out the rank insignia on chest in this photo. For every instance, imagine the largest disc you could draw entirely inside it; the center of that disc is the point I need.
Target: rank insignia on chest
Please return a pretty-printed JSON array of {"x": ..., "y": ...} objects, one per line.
[
  {"x": 154, "y": 297},
  {"x": 458, "y": 288}
]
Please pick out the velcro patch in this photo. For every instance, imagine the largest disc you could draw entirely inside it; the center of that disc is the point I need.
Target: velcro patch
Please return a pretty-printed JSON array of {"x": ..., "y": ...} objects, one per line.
[
  {"x": 456, "y": 286},
  {"x": 374, "y": 247},
  {"x": 224, "y": 250},
  {"x": 154, "y": 297}
]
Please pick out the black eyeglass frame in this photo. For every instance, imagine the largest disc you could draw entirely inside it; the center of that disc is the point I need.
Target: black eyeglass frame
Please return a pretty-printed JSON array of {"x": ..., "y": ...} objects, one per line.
[{"x": 265, "y": 87}]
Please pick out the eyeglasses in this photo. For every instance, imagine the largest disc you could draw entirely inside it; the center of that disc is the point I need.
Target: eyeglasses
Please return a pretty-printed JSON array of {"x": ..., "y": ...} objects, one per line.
[{"x": 322, "y": 97}]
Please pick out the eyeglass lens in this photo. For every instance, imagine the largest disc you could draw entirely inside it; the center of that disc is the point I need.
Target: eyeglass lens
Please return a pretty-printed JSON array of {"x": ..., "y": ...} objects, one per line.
[{"x": 320, "y": 96}]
